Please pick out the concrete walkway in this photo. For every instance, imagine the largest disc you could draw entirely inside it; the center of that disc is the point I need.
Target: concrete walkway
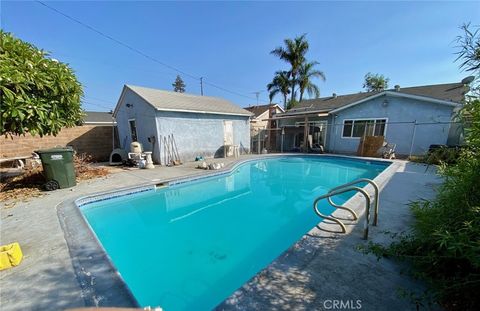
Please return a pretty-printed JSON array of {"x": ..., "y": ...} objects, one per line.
[{"x": 315, "y": 270}]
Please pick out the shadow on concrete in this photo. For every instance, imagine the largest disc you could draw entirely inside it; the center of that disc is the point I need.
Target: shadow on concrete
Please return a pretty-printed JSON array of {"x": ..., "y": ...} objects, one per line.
[{"x": 57, "y": 294}]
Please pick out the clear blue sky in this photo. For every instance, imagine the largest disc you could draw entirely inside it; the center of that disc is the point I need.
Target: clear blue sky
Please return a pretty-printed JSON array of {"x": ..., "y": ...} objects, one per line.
[{"x": 228, "y": 43}]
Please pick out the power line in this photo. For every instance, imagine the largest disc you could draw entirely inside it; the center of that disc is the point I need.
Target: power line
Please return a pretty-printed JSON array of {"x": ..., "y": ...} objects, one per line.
[
  {"x": 98, "y": 105},
  {"x": 112, "y": 65},
  {"x": 100, "y": 99},
  {"x": 116, "y": 40},
  {"x": 133, "y": 49},
  {"x": 228, "y": 91}
]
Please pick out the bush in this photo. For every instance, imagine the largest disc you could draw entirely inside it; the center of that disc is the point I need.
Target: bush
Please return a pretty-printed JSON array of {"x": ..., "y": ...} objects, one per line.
[
  {"x": 444, "y": 245},
  {"x": 39, "y": 95},
  {"x": 443, "y": 155}
]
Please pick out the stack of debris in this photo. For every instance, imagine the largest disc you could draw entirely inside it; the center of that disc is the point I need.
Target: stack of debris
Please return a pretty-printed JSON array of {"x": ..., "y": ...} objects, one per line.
[{"x": 211, "y": 166}]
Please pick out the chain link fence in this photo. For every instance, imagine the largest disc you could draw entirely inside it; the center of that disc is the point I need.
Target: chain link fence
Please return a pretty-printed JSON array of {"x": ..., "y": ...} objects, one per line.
[{"x": 408, "y": 138}]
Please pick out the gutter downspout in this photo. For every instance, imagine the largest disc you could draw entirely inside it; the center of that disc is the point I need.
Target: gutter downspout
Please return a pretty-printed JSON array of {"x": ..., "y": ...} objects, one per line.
[{"x": 113, "y": 132}]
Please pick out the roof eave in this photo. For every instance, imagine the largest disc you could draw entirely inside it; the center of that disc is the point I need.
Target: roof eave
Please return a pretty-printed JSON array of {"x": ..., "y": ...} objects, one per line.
[
  {"x": 424, "y": 98},
  {"x": 99, "y": 123},
  {"x": 115, "y": 111},
  {"x": 174, "y": 110},
  {"x": 398, "y": 94},
  {"x": 301, "y": 113},
  {"x": 279, "y": 107},
  {"x": 205, "y": 112}
]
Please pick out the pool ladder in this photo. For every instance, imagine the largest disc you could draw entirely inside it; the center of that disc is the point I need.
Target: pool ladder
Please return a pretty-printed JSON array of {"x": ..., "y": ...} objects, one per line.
[{"x": 351, "y": 187}]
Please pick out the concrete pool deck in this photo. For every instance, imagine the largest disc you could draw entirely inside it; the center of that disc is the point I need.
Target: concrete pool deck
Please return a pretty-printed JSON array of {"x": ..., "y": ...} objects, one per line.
[{"x": 318, "y": 269}]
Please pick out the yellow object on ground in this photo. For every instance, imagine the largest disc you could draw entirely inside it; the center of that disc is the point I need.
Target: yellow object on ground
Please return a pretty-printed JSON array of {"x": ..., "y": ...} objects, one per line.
[{"x": 10, "y": 255}]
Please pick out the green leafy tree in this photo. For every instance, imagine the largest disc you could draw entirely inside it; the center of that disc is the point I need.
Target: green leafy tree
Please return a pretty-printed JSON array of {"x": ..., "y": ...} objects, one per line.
[
  {"x": 280, "y": 85},
  {"x": 38, "y": 95},
  {"x": 375, "y": 82},
  {"x": 179, "y": 85},
  {"x": 305, "y": 76},
  {"x": 293, "y": 52}
]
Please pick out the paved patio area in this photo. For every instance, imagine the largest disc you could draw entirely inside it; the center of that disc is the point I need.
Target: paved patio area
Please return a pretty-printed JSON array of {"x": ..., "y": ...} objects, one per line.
[{"x": 319, "y": 268}]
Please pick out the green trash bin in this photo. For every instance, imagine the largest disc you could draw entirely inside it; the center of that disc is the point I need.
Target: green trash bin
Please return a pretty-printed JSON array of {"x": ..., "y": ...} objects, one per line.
[{"x": 58, "y": 168}]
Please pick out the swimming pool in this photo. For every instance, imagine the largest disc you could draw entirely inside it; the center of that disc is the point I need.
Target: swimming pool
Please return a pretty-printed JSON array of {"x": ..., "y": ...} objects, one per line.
[{"x": 190, "y": 245}]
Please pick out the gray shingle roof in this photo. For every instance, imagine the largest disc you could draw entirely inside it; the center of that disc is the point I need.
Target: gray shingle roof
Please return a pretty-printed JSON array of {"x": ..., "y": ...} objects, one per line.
[
  {"x": 173, "y": 101},
  {"x": 95, "y": 117},
  {"x": 453, "y": 92}
]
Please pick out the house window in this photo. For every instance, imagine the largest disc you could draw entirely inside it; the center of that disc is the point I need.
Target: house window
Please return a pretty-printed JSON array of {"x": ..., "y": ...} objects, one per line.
[
  {"x": 359, "y": 128},
  {"x": 347, "y": 128},
  {"x": 133, "y": 130}
]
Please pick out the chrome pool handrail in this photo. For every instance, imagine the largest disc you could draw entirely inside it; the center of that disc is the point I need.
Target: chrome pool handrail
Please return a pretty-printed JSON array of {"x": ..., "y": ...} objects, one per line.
[
  {"x": 357, "y": 181},
  {"x": 355, "y": 216},
  {"x": 340, "y": 191}
]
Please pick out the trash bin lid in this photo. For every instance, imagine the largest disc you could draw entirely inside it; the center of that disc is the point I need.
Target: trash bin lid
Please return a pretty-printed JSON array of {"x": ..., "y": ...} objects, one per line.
[{"x": 54, "y": 150}]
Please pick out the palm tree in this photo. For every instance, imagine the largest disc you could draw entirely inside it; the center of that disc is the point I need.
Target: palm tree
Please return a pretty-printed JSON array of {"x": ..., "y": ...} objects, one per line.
[
  {"x": 280, "y": 84},
  {"x": 305, "y": 75},
  {"x": 293, "y": 53}
]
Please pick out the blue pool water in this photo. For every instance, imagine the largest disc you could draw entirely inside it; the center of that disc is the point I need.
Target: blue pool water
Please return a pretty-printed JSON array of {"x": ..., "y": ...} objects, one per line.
[{"x": 189, "y": 246}]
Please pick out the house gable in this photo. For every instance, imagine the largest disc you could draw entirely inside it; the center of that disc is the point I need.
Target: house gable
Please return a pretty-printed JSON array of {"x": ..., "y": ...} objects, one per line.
[
  {"x": 261, "y": 111},
  {"x": 397, "y": 94},
  {"x": 261, "y": 117},
  {"x": 132, "y": 107}
]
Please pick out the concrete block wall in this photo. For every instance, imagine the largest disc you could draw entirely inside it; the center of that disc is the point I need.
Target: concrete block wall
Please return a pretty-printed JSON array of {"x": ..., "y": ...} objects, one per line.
[{"x": 91, "y": 139}]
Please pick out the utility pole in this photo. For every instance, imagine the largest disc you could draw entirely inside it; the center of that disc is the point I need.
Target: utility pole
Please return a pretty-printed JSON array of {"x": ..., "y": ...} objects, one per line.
[
  {"x": 257, "y": 95},
  {"x": 201, "y": 85}
]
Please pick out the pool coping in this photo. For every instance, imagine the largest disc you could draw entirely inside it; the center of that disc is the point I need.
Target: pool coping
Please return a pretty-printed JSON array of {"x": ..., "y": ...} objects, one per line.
[{"x": 102, "y": 285}]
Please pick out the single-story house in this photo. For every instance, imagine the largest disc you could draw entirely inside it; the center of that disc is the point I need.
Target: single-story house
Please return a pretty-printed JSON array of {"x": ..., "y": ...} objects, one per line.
[
  {"x": 200, "y": 125},
  {"x": 413, "y": 118},
  {"x": 263, "y": 128}
]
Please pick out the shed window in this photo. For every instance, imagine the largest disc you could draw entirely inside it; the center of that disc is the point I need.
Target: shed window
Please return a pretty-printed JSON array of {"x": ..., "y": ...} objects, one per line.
[
  {"x": 359, "y": 128},
  {"x": 133, "y": 130}
]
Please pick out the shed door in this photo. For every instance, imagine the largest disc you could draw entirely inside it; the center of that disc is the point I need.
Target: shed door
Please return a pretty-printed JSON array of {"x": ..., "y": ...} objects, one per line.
[
  {"x": 227, "y": 132},
  {"x": 133, "y": 130}
]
